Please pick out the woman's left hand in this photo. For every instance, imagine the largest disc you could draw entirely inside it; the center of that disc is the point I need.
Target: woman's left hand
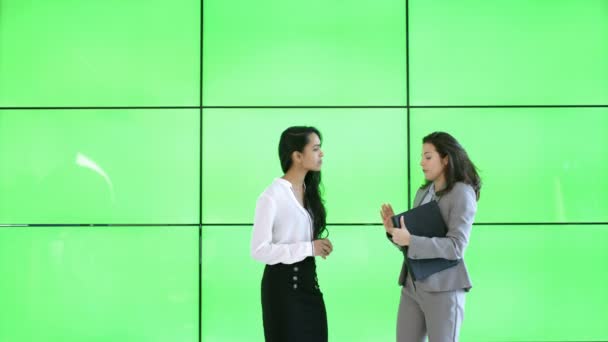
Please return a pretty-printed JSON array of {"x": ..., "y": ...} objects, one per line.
[{"x": 401, "y": 236}]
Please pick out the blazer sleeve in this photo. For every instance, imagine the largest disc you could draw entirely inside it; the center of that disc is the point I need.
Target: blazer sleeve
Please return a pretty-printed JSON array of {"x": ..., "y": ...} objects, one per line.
[{"x": 463, "y": 205}]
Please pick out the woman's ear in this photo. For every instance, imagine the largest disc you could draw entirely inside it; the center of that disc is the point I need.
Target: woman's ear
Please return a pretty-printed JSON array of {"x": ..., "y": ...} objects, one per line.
[
  {"x": 296, "y": 157},
  {"x": 444, "y": 160}
]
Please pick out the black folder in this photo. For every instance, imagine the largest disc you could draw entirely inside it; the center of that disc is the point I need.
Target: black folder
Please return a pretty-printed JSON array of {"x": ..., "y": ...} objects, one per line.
[{"x": 424, "y": 220}]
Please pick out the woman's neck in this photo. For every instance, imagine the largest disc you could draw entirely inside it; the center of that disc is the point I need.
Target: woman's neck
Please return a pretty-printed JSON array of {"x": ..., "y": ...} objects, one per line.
[
  {"x": 295, "y": 177},
  {"x": 439, "y": 184}
]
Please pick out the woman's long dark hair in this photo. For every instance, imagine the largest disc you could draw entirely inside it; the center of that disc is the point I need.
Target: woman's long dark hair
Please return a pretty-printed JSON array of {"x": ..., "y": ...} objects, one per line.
[
  {"x": 459, "y": 168},
  {"x": 295, "y": 139}
]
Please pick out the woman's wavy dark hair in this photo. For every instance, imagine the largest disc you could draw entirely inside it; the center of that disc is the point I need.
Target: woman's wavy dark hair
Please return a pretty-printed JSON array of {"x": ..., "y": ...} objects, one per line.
[
  {"x": 459, "y": 168},
  {"x": 295, "y": 139}
]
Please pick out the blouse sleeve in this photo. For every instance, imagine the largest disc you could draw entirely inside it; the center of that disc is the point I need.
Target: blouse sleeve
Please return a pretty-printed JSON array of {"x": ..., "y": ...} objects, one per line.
[{"x": 262, "y": 247}]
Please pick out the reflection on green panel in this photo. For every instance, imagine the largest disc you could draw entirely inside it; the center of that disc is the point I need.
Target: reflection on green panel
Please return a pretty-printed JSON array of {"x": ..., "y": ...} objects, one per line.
[
  {"x": 99, "y": 284},
  {"x": 516, "y": 52},
  {"x": 535, "y": 165},
  {"x": 290, "y": 53},
  {"x": 108, "y": 166},
  {"x": 537, "y": 283},
  {"x": 99, "y": 53},
  {"x": 359, "y": 284},
  {"x": 365, "y": 161}
]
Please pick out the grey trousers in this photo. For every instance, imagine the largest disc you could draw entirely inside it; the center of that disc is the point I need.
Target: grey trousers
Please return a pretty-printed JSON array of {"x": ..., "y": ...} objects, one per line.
[{"x": 437, "y": 315}]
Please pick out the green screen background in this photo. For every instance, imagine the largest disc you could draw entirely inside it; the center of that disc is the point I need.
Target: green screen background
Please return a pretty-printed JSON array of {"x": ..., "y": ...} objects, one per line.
[{"x": 136, "y": 136}]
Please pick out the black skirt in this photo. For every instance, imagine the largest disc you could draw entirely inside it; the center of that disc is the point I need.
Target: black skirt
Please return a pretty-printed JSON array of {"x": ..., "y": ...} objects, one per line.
[{"x": 292, "y": 303}]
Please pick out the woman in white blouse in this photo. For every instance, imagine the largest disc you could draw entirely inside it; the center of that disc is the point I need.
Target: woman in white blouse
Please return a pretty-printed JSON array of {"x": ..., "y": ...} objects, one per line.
[{"x": 288, "y": 225}]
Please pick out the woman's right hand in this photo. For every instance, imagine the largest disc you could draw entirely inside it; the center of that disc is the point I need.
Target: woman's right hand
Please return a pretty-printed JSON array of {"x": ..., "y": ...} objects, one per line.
[
  {"x": 322, "y": 247},
  {"x": 386, "y": 212}
]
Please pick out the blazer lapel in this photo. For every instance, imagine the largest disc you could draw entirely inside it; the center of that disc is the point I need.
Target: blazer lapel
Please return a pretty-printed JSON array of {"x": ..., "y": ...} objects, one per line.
[{"x": 420, "y": 194}]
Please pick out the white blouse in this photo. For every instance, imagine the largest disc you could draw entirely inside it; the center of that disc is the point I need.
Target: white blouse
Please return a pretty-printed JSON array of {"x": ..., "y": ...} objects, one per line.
[{"x": 282, "y": 228}]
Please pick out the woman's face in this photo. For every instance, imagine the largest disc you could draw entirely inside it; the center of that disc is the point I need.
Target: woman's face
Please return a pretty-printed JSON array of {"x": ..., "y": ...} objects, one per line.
[
  {"x": 312, "y": 155},
  {"x": 432, "y": 164}
]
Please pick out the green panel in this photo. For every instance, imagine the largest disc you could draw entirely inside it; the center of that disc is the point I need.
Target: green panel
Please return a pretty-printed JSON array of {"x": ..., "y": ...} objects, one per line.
[
  {"x": 290, "y": 53},
  {"x": 359, "y": 172},
  {"x": 99, "y": 53},
  {"x": 99, "y": 284},
  {"x": 527, "y": 277},
  {"x": 525, "y": 265},
  {"x": 536, "y": 166},
  {"x": 537, "y": 283},
  {"x": 477, "y": 52},
  {"x": 108, "y": 166},
  {"x": 359, "y": 284},
  {"x": 231, "y": 302}
]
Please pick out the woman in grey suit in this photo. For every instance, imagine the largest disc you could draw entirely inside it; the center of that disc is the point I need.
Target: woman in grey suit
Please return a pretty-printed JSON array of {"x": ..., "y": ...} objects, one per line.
[{"x": 434, "y": 306}]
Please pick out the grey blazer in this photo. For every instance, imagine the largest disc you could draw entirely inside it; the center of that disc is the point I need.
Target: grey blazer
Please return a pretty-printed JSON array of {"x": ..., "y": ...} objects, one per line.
[{"x": 458, "y": 209}]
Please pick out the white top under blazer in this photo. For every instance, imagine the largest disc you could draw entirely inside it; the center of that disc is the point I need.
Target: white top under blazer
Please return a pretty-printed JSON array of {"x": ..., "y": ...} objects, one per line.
[{"x": 282, "y": 228}]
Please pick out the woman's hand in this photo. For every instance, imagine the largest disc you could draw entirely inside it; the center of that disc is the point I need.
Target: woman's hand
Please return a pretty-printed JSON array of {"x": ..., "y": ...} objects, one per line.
[
  {"x": 322, "y": 248},
  {"x": 401, "y": 236},
  {"x": 386, "y": 212}
]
